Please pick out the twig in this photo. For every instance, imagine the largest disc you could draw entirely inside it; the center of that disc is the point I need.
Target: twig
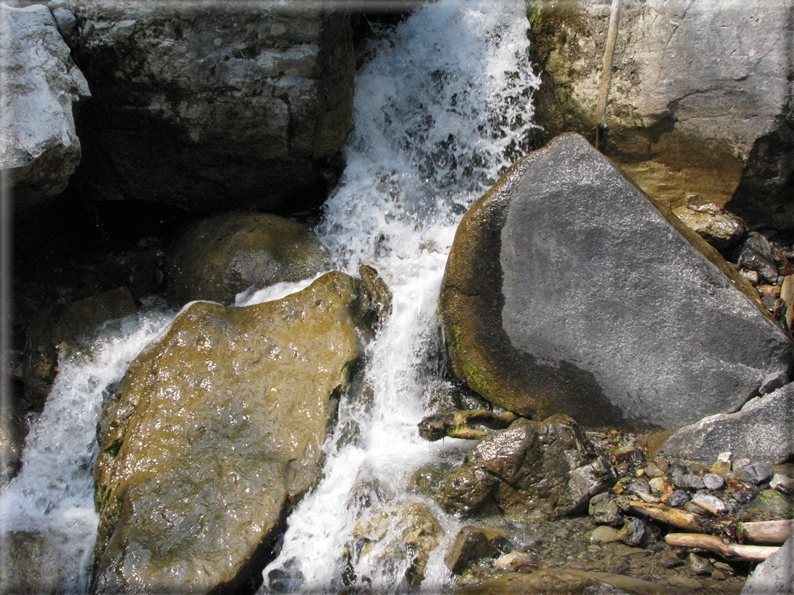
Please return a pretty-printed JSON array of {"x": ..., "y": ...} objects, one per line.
[{"x": 749, "y": 553}]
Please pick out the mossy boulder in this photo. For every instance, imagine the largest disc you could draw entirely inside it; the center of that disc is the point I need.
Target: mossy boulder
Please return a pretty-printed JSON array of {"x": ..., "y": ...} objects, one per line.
[
  {"x": 215, "y": 432},
  {"x": 568, "y": 291},
  {"x": 216, "y": 258}
]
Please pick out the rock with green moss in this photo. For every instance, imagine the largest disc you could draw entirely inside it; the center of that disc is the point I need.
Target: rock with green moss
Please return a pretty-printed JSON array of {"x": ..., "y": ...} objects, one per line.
[
  {"x": 216, "y": 258},
  {"x": 213, "y": 435},
  {"x": 568, "y": 291}
]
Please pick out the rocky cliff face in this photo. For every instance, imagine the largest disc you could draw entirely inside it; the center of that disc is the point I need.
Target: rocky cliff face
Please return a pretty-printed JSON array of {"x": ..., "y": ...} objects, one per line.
[
  {"x": 699, "y": 92},
  {"x": 206, "y": 106}
]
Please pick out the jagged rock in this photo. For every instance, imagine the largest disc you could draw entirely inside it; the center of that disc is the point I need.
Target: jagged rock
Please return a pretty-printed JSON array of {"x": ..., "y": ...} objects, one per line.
[
  {"x": 473, "y": 543},
  {"x": 216, "y": 258},
  {"x": 214, "y": 432},
  {"x": 756, "y": 255},
  {"x": 42, "y": 86},
  {"x": 718, "y": 227},
  {"x": 397, "y": 539},
  {"x": 761, "y": 430},
  {"x": 71, "y": 328},
  {"x": 697, "y": 89},
  {"x": 214, "y": 106},
  {"x": 774, "y": 575},
  {"x": 548, "y": 468},
  {"x": 567, "y": 291}
]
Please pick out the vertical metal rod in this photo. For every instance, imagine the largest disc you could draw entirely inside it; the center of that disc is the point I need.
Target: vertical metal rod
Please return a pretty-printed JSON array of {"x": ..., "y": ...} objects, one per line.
[{"x": 606, "y": 75}]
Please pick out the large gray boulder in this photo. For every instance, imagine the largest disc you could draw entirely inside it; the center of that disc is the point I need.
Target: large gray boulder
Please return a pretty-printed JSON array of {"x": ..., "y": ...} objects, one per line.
[
  {"x": 698, "y": 99},
  {"x": 775, "y": 574},
  {"x": 214, "y": 433},
  {"x": 212, "y": 106},
  {"x": 762, "y": 430},
  {"x": 566, "y": 290},
  {"x": 39, "y": 148}
]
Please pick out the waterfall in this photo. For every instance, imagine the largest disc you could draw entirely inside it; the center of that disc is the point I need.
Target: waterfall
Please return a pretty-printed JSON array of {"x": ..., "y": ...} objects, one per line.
[
  {"x": 439, "y": 112},
  {"x": 441, "y": 109}
]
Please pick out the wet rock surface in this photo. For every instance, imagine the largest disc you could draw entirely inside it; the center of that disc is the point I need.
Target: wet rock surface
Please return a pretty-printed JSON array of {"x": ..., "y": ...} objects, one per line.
[
  {"x": 199, "y": 463},
  {"x": 545, "y": 468},
  {"x": 545, "y": 249},
  {"x": 42, "y": 87},
  {"x": 217, "y": 258},
  {"x": 222, "y": 106}
]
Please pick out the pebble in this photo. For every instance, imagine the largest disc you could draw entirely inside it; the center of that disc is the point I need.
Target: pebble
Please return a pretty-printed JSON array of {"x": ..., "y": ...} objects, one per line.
[
  {"x": 602, "y": 534},
  {"x": 652, "y": 470},
  {"x": 692, "y": 482},
  {"x": 782, "y": 483},
  {"x": 605, "y": 511},
  {"x": 709, "y": 503},
  {"x": 713, "y": 481},
  {"x": 636, "y": 533},
  {"x": 723, "y": 464},
  {"x": 698, "y": 564},
  {"x": 677, "y": 499},
  {"x": 515, "y": 562},
  {"x": 756, "y": 473},
  {"x": 658, "y": 485},
  {"x": 718, "y": 575}
]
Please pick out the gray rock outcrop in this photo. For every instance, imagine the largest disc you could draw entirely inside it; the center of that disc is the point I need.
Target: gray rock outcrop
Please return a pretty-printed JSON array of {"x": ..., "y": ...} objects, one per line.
[
  {"x": 567, "y": 291},
  {"x": 698, "y": 98},
  {"x": 774, "y": 575},
  {"x": 213, "y": 106},
  {"x": 215, "y": 259},
  {"x": 214, "y": 433},
  {"x": 546, "y": 468},
  {"x": 39, "y": 148},
  {"x": 762, "y": 430}
]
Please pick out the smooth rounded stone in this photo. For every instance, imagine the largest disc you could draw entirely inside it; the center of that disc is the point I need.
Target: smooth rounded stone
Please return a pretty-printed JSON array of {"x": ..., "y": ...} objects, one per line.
[
  {"x": 42, "y": 87},
  {"x": 773, "y": 575},
  {"x": 219, "y": 257},
  {"x": 401, "y": 534},
  {"x": 605, "y": 510},
  {"x": 689, "y": 481},
  {"x": 563, "y": 235},
  {"x": 756, "y": 473},
  {"x": 66, "y": 330},
  {"x": 602, "y": 534},
  {"x": 677, "y": 499},
  {"x": 230, "y": 106},
  {"x": 715, "y": 225},
  {"x": 759, "y": 430},
  {"x": 547, "y": 468},
  {"x": 653, "y": 471},
  {"x": 713, "y": 481},
  {"x": 474, "y": 543},
  {"x": 214, "y": 433},
  {"x": 658, "y": 485},
  {"x": 516, "y": 562}
]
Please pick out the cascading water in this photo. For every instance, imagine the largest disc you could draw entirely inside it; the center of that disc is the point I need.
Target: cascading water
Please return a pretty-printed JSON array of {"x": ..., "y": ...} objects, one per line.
[{"x": 440, "y": 110}]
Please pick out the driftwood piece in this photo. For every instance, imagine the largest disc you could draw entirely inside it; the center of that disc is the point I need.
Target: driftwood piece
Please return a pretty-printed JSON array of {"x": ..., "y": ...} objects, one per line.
[
  {"x": 680, "y": 519},
  {"x": 769, "y": 532},
  {"x": 732, "y": 551},
  {"x": 460, "y": 423}
]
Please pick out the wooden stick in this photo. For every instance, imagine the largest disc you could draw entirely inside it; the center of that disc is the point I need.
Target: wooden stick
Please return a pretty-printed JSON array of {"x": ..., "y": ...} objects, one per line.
[
  {"x": 771, "y": 532},
  {"x": 671, "y": 516},
  {"x": 749, "y": 553},
  {"x": 606, "y": 75}
]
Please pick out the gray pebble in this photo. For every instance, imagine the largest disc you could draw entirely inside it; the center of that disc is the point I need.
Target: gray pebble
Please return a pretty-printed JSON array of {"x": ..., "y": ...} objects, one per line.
[{"x": 713, "y": 481}]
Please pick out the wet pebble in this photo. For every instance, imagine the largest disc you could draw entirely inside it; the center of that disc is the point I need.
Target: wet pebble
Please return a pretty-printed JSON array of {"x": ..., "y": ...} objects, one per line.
[
  {"x": 636, "y": 533},
  {"x": 602, "y": 534},
  {"x": 690, "y": 482},
  {"x": 677, "y": 499},
  {"x": 782, "y": 483},
  {"x": 756, "y": 473},
  {"x": 713, "y": 481},
  {"x": 605, "y": 511},
  {"x": 699, "y": 565},
  {"x": 709, "y": 503},
  {"x": 658, "y": 485}
]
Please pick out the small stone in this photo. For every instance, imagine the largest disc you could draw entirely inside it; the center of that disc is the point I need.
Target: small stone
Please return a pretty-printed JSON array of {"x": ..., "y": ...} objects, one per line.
[
  {"x": 473, "y": 543},
  {"x": 782, "y": 483},
  {"x": 652, "y": 470},
  {"x": 605, "y": 511},
  {"x": 691, "y": 482},
  {"x": 723, "y": 464},
  {"x": 752, "y": 276},
  {"x": 516, "y": 562},
  {"x": 639, "y": 487},
  {"x": 739, "y": 463},
  {"x": 713, "y": 481},
  {"x": 636, "y": 533},
  {"x": 658, "y": 485},
  {"x": 718, "y": 575},
  {"x": 677, "y": 499},
  {"x": 662, "y": 463},
  {"x": 709, "y": 503},
  {"x": 602, "y": 534},
  {"x": 698, "y": 564},
  {"x": 756, "y": 473}
]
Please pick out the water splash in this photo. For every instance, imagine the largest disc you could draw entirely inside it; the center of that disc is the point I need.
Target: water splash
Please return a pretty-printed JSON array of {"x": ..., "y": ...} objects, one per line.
[
  {"x": 53, "y": 495},
  {"x": 439, "y": 113}
]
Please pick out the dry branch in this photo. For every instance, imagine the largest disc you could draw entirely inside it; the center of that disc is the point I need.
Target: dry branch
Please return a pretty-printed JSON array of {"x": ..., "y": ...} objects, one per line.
[
  {"x": 732, "y": 551},
  {"x": 770, "y": 532}
]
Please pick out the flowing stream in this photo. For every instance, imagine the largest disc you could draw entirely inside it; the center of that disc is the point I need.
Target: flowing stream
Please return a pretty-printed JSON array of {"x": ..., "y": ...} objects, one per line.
[{"x": 441, "y": 109}]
